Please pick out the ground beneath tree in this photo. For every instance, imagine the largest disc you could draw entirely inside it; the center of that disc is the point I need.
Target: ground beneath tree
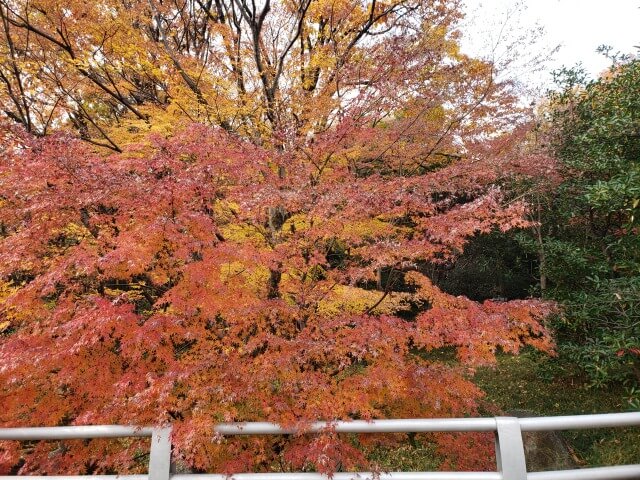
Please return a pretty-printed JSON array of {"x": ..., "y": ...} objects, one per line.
[{"x": 534, "y": 383}]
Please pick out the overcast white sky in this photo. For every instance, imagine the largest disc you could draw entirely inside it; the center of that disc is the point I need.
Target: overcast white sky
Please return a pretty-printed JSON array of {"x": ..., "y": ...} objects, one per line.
[{"x": 577, "y": 26}]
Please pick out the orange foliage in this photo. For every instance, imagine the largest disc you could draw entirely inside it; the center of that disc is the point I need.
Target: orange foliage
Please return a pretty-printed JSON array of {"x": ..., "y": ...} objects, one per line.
[
  {"x": 224, "y": 262},
  {"x": 129, "y": 305}
]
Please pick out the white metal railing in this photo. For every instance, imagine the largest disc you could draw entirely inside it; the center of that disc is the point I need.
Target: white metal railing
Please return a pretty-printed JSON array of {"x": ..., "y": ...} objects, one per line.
[{"x": 510, "y": 455}]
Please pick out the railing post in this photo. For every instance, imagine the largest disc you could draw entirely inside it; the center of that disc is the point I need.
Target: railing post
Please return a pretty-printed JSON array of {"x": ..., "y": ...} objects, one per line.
[
  {"x": 510, "y": 449},
  {"x": 160, "y": 455}
]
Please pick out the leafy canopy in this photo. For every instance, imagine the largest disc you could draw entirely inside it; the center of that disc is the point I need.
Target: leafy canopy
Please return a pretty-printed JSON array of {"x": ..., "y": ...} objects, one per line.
[
  {"x": 265, "y": 262},
  {"x": 591, "y": 225}
]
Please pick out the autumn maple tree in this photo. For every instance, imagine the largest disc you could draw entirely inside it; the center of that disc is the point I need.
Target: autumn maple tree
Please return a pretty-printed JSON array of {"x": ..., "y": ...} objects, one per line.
[{"x": 253, "y": 248}]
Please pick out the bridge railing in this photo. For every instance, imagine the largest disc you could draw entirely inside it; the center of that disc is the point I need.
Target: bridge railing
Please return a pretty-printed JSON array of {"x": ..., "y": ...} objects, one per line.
[{"x": 510, "y": 453}]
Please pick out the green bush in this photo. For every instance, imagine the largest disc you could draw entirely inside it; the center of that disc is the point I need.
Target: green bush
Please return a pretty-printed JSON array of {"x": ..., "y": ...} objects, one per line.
[{"x": 591, "y": 221}]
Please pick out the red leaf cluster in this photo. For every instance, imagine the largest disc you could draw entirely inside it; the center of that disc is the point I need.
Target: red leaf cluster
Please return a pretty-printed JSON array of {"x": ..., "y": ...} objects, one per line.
[{"x": 203, "y": 279}]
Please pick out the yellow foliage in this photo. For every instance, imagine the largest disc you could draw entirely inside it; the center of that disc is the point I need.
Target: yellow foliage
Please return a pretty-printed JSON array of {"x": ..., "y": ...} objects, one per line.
[
  {"x": 353, "y": 300},
  {"x": 369, "y": 229},
  {"x": 296, "y": 223},
  {"x": 71, "y": 234},
  {"x": 6, "y": 290},
  {"x": 132, "y": 293},
  {"x": 242, "y": 233},
  {"x": 255, "y": 276},
  {"x": 76, "y": 231},
  {"x": 132, "y": 130}
]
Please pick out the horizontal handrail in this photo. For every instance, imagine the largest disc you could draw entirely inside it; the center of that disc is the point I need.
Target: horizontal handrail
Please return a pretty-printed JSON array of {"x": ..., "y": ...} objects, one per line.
[
  {"x": 289, "y": 476},
  {"x": 580, "y": 422},
  {"x": 531, "y": 424},
  {"x": 600, "y": 473},
  {"x": 363, "y": 426},
  {"x": 76, "y": 477},
  {"x": 348, "y": 476},
  {"x": 74, "y": 432},
  {"x": 509, "y": 447},
  {"x": 619, "y": 472},
  {"x": 622, "y": 472}
]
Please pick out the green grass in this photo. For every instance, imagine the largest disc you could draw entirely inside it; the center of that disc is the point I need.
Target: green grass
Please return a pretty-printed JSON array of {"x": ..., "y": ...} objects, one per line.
[
  {"x": 533, "y": 382},
  {"x": 407, "y": 458},
  {"x": 536, "y": 383}
]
